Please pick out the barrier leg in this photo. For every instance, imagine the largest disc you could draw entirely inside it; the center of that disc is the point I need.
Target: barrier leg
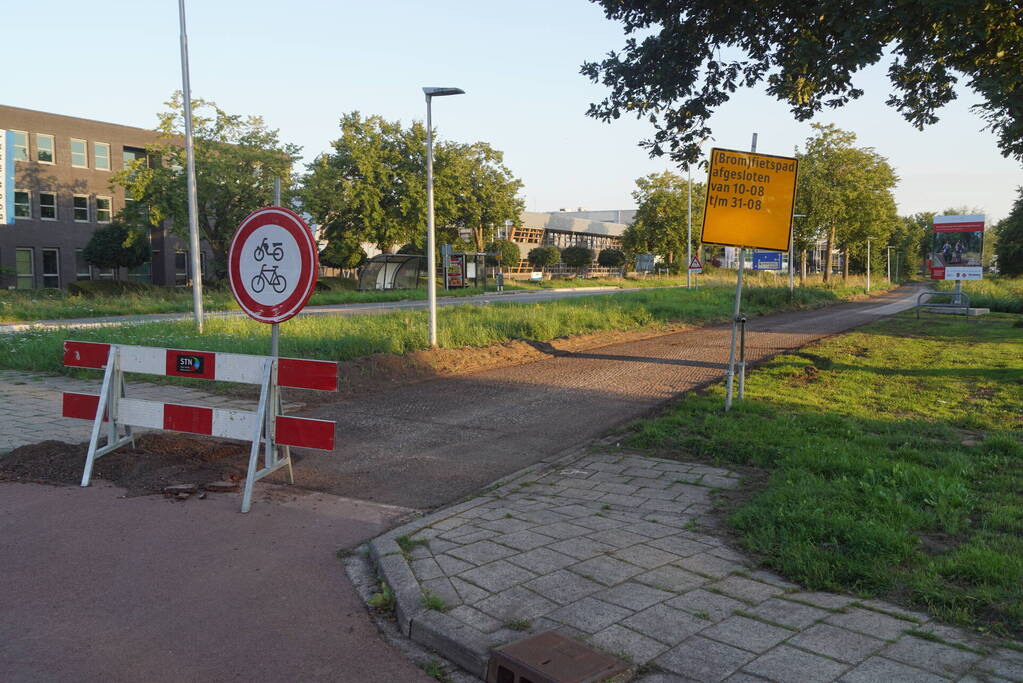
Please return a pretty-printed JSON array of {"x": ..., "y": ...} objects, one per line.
[
  {"x": 257, "y": 437},
  {"x": 286, "y": 450},
  {"x": 101, "y": 409}
]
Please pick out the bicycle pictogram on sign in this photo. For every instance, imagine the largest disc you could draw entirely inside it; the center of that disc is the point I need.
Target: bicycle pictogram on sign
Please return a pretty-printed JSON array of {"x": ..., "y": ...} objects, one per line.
[{"x": 260, "y": 280}]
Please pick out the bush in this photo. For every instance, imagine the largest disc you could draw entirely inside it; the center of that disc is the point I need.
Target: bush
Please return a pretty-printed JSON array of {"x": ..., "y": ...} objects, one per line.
[
  {"x": 100, "y": 288},
  {"x": 577, "y": 257},
  {"x": 1009, "y": 247},
  {"x": 117, "y": 246},
  {"x": 612, "y": 258},
  {"x": 544, "y": 257},
  {"x": 342, "y": 255},
  {"x": 336, "y": 284},
  {"x": 507, "y": 253}
]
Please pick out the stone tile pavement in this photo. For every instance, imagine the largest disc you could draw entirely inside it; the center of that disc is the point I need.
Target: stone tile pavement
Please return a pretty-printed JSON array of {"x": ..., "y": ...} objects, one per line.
[
  {"x": 619, "y": 551},
  {"x": 30, "y": 405}
]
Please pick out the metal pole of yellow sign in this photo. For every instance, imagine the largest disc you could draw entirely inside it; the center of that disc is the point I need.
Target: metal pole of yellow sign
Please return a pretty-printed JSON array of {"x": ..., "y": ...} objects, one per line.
[{"x": 736, "y": 317}]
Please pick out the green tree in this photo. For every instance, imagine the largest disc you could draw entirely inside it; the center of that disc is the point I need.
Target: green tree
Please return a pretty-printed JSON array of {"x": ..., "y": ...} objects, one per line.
[
  {"x": 912, "y": 236},
  {"x": 237, "y": 159},
  {"x": 117, "y": 245},
  {"x": 683, "y": 59},
  {"x": 507, "y": 253},
  {"x": 338, "y": 254},
  {"x": 662, "y": 216},
  {"x": 577, "y": 257},
  {"x": 1009, "y": 248},
  {"x": 612, "y": 258},
  {"x": 544, "y": 257},
  {"x": 845, "y": 193}
]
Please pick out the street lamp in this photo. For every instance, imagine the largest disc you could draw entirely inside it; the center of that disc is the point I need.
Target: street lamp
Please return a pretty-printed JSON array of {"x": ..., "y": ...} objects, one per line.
[
  {"x": 431, "y": 257},
  {"x": 869, "y": 239},
  {"x": 888, "y": 253}
]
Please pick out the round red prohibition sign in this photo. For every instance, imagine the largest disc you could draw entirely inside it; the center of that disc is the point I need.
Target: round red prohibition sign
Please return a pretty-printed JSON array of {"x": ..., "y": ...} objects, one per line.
[{"x": 272, "y": 264}]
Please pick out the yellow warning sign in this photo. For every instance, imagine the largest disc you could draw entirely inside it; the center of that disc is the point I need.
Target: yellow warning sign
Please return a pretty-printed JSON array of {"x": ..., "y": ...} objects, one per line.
[{"x": 749, "y": 199}]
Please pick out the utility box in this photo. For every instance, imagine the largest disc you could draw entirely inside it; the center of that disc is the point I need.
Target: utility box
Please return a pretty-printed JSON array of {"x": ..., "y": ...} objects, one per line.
[{"x": 550, "y": 657}]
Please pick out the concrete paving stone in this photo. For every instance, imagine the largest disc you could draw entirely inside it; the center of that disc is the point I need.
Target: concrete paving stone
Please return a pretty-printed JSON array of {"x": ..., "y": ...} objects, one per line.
[
  {"x": 628, "y": 516},
  {"x": 881, "y": 670},
  {"x": 452, "y": 565},
  {"x": 716, "y": 482},
  {"x": 562, "y": 530},
  {"x": 743, "y": 677},
  {"x": 473, "y": 617},
  {"x": 563, "y": 587},
  {"x": 699, "y": 601},
  {"x": 542, "y": 516},
  {"x": 651, "y": 529},
  {"x": 957, "y": 635},
  {"x": 542, "y": 560},
  {"x": 895, "y": 610},
  {"x": 748, "y": 634},
  {"x": 470, "y": 593},
  {"x": 828, "y": 601},
  {"x": 623, "y": 501},
  {"x": 1005, "y": 663},
  {"x": 643, "y": 472},
  {"x": 628, "y": 644},
  {"x": 670, "y": 626},
  {"x": 467, "y": 528},
  {"x": 710, "y": 565},
  {"x": 679, "y": 546},
  {"x": 635, "y": 596},
  {"x": 508, "y": 525},
  {"x": 609, "y": 478},
  {"x": 672, "y": 466},
  {"x": 498, "y": 576},
  {"x": 658, "y": 493},
  {"x": 871, "y": 623},
  {"x": 935, "y": 657},
  {"x": 637, "y": 461},
  {"x": 582, "y": 548},
  {"x": 623, "y": 489},
  {"x": 582, "y": 494},
  {"x": 789, "y": 664},
  {"x": 600, "y": 523},
  {"x": 420, "y": 552},
  {"x": 610, "y": 467},
  {"x": 670, "y": 507},
  {"x": 970, "y": 678},
  {"x": 439, "y": 546},
  {"x": 617, "y": 537},
  {"x": 444, "y": 589},
  {"x": 747, "y": 590},
  {"x": 523, "y": 540},
  {"x": 837, "y": 643},
  {"x": 590, "y": 615},
  {"x": 515, "y": 603},
  {"x": 714, "y": 471},
  {"x": 671, "y": 578},
  {"x": 427, "y": 569},
  {"x": 644, "y": 556},
  {"x": 726, "y": 553},
  {"x": 665, "y": 519},
  {"x": 703, "y": 660},
  {"x": 606, "y": 570},
  {"x": 493, "y": 514},
  {"x": 481, "y": 552},
  {"x": 771, "y": 578},
  {"x": 788, "y": 613}
]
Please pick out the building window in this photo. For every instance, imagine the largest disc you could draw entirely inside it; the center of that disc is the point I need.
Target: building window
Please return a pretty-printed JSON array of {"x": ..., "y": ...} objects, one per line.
[
  {"x": 101, "y": 156},
  {"x": 22, "y": 204},
  {"x": 81, "y": 204},
  {"x": 181, "y": 268},
  {"x": 20, "y": 145},
  {"x": 143, "y": 273},
  {"x": 105, "y": 273},
  {"x": 44, "y": 148},
  {"x": 51, "y": 268},
  {"x": 48, "y": 206},
  {"x": 130, "y": 154},
  {"x": 24, "y": 268},
  {"x": 79, "y": 153},
  {"x": 103, "y": 210},
  {"x": 82, "y": 269}
]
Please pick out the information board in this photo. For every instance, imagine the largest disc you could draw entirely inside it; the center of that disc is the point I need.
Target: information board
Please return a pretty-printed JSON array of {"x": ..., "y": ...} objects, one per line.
[
  {"x": 767, "y": 260},
  {"x": 750, "y": 199},
  {"x": 957, "y": 247}
]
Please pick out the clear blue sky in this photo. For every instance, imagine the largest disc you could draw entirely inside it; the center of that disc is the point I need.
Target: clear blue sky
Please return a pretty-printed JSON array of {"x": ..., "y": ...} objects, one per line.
[{"x": 302, "y": 63}]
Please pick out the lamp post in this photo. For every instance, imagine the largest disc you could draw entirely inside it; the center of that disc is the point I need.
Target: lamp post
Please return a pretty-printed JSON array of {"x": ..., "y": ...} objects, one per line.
[
  {"x": 193, "y": 212},
  {"x": 869, "y": 239},
  {"x": 888, "y": 253},
  {"x": 431, "y": 257}
]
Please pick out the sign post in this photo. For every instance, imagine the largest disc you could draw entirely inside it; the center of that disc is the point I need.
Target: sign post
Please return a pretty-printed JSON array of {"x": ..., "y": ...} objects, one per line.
[{"x": 750, "y": 199}]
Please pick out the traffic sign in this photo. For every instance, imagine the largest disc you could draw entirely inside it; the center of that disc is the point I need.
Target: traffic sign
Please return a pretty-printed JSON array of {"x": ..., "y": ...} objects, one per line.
[
  {"x": 695, "y": 266},
  {"x": 766, "y": 260},
  {"x": 749, "y": 199},
  {"x": 272, "y": 264}
]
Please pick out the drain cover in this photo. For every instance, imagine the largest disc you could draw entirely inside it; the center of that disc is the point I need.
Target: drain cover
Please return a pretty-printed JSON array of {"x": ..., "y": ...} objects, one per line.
[{"x": 550, "y": 657}]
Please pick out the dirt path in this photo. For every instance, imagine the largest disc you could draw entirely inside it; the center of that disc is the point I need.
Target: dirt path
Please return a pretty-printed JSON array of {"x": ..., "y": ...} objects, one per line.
[{"x": 431, "y": 443}]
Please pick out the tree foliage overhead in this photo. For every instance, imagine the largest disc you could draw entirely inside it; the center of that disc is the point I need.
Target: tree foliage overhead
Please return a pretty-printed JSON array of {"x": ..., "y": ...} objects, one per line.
[
  {"x": 117, "y": 246},
  {"x": 684, "y": 58},
  {"x": 372, "y": 186},
  {"x": 662, "y": 216},
  {"x": 1009, "y": 247},
  {"x": 237, "y": 159}
]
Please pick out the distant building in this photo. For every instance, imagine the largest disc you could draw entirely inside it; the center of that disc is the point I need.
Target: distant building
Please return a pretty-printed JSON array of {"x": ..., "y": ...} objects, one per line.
[
  {"x": 560, "y": 229},
  {"x": 625, "y": 216},
  {"x": 62, "y": 194}
]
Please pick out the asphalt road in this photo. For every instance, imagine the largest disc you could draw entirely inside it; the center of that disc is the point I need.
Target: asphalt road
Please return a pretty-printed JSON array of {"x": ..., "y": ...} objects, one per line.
[{"x": 428, "y": 444}]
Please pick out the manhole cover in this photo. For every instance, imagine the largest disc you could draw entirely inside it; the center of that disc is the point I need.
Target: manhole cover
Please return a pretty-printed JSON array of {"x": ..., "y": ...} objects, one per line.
[{"x": 550, "y": 657}]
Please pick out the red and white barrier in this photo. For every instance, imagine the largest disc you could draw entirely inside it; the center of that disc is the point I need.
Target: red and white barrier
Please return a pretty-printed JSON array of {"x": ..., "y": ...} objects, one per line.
[{"x": 266, "y": 426}]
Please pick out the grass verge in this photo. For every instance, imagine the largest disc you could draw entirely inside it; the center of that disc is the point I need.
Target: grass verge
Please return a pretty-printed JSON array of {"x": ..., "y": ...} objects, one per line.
[
  {"x": 896, "y": 464},
  {"x": 344, "y": 338},
  {"x": 1003, "y": 294}
]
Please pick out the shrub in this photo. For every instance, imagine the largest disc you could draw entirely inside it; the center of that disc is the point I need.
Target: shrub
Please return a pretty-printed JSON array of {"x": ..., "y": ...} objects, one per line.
[
  {"x": 612, "y": 258},
  {"x": 117, "y": 246},
  {"x": 544, "y": 257},
  {"x": 336, "y": 284},
  {"x": 507, "y": 253},
  {"x": 101, "y": 288},
  {"x": 342, "y": 255},
  {"x": 577, "y": 257}
]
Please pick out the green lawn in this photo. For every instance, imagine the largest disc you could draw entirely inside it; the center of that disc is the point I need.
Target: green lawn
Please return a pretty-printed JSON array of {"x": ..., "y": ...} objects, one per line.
[
  {"x": 1004, "y": 294},
  {"x": 344, "y": 338},
  {"x": 895, "y": 461}
]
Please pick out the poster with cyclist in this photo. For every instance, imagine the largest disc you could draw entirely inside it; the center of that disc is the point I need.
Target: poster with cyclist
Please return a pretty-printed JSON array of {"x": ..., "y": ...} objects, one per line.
[{"x": 272, "y": 264}]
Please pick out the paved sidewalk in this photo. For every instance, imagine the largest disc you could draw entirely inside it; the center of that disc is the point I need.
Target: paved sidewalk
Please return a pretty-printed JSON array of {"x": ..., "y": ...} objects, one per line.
[
  {"x": 620, "y": 551},
  {"x": 30, "y": 406}
]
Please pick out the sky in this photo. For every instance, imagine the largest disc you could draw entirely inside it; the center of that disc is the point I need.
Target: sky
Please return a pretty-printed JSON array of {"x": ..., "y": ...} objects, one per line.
[{"x": 301, "y": 64}]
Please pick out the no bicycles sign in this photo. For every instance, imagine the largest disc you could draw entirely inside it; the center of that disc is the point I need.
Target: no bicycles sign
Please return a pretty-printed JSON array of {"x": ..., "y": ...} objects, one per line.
[{"x": 272, "y": 264}]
